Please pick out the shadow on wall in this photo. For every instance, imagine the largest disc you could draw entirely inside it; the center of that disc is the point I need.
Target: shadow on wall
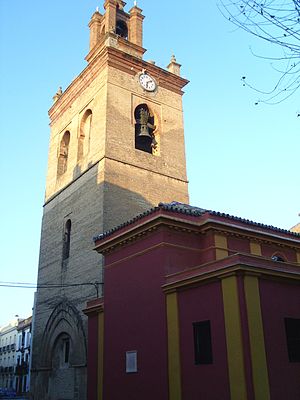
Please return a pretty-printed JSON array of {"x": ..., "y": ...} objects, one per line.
[{"x": 60, "y": 343}]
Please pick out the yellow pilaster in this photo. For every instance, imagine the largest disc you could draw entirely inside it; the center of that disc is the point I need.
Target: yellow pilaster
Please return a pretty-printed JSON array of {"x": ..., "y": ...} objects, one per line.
[
  {"x": 100, "y": 354},
  {"x": 173, "y": 347},
  {"x": 221, "y": 246},
  {"x": 234, "y": 342},
  {"x": 298, "y": 257},
  {"x": 256, "y": 335},
  {"x": 255, "y": 248}
]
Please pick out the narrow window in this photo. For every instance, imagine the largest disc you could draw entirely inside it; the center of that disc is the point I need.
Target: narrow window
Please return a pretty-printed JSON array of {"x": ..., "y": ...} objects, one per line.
[
  {"x": 292, "y": 330},
  {"x": 67, "y": 240},
  {"x": 202, "y": 343},
  {"x": 144, "y": 129},
  {"x": 84, "y": 135},
  {"x": 277, "y": 257},
  {"x": 63, "y": 154},
  {"x": 121, "y": 29},
  {"x": 67, "y": 351},
  {"x": 131, "y": 361}
]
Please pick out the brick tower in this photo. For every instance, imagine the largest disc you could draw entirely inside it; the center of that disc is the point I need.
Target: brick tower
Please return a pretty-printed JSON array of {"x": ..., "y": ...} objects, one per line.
[{"x": 116, "y": 148}]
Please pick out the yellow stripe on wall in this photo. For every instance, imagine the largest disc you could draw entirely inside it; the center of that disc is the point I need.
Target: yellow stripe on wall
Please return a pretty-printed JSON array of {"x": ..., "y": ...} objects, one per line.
[
  {"x": 173, "y": 347},
  {"x": 234, "y": 342},
  {"x": 221, "y": 246},
  {"x": 100, "y": 354},
  {"x": 255, "y": 248},
  {"x": 257, "y": 342}
]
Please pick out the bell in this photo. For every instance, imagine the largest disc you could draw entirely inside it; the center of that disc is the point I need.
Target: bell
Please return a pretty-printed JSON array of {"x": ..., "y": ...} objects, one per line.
[
  {"x": 144, "y": 131},
  {"x": 144, "y": 139}
]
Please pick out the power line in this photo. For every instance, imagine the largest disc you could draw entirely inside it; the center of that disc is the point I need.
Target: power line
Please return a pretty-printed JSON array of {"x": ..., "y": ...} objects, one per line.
[{"x": 26, "y": 285}]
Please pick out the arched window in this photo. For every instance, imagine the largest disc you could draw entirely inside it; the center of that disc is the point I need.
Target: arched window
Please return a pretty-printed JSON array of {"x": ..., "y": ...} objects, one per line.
[
  {"x": 61, "y": 351},
  {"x": 278, "y": 257},
  {"x": 63, "y": 154},
  {"x": 67, "y": 240},
  {"x": 121, "y": 29},
  {"x": 84, "y": 134},
  {"x": 144, "y": 129}
]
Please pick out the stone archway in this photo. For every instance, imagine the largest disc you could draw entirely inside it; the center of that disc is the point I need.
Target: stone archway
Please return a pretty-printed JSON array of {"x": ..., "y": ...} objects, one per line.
[{"x": 64, "y": 354}]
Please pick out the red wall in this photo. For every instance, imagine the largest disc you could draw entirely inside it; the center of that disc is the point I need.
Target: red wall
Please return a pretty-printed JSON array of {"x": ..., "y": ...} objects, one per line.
[
  {"x": 238, "y": 245},
  {"x": 203, "y": 381},
  {"x": 268, "y": 250},
  {"x": 280, "y": 300},
  {"x": 134, "y": 319},
  {"x": 92, "y": 375}
]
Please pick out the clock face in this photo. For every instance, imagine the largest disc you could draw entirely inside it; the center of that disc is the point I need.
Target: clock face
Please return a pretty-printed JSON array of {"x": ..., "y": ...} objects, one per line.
[{"x": 147, "y": 82}]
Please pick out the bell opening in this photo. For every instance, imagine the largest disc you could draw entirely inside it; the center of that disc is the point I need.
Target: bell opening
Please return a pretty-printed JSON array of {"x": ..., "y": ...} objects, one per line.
[{"x": 144, "y": 128}]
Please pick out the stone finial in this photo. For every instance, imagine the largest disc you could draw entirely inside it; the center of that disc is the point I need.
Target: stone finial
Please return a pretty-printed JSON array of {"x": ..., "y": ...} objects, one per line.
[
  {"x": 121, "y": 4},
  {"x": 174, "y": 67},
  {"x": 57, "y": 94}
]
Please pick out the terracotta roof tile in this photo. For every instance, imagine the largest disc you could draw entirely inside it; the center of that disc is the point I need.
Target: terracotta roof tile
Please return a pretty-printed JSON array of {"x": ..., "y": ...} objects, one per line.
[{"x": 187, "y": 209}]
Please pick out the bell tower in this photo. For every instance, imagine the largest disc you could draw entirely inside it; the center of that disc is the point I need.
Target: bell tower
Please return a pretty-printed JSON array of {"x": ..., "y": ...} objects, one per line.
[{"x": 116, "y": 148}]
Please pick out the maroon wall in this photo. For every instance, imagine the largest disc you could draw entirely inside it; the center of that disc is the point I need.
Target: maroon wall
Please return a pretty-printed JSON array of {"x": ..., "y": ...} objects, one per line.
[
  {"x": 135, "y": 320},
  {"x": 268, "y": 250},
  {"x": 92, "y": 367},
  {"x": 278, "y": 301},
  {"x": 203, "y": 381},
  {"x": 238, "y": 245}
]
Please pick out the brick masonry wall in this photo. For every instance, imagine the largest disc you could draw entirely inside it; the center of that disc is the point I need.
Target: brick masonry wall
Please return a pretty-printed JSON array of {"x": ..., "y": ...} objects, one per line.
[{"x": 110, "y": 185}]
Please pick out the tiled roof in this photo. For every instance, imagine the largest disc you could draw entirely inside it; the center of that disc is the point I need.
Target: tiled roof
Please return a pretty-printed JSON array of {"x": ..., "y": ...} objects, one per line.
[{"x": 186, "y": 209}]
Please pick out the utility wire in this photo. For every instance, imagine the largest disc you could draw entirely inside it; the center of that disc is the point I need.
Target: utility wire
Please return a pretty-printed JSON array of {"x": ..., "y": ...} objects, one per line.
[{"x": 26, "y": 285}]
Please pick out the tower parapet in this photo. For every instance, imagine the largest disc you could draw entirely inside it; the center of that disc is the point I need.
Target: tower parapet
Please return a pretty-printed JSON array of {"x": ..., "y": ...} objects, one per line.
[{"x": 117, "y": 28}]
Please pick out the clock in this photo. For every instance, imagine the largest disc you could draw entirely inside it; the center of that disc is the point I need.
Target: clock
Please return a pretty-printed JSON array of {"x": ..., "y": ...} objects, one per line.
[{"x": 147, "y": 82}]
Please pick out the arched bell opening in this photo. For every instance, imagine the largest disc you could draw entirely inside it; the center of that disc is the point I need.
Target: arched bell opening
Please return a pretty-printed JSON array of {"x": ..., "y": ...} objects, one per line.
[
  {"x": 122, "y": 29},
  {"x": 63, "y": 154},
  {"x": 84, "y": 135},
  {"x": 144, "y": 129}
]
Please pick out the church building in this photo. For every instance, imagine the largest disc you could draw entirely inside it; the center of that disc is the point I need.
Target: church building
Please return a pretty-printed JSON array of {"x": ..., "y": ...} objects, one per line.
[
  {"x": 116, "y": 149},
  {"x": 197, "y": 305}
]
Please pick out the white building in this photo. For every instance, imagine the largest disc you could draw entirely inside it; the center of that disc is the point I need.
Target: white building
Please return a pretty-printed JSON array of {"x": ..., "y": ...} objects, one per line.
[
  {"x": 22, "y": 370},
  {"x": 8, "y": 344}
]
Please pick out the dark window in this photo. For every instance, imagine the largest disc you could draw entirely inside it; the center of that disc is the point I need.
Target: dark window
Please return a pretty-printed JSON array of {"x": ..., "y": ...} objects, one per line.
[
  {"x": 144, "y": 129},
  {"x": 67, "y": 350},
  {"x": 121, "y": 29},
  {"x": 278, "y": 258},
  {"x": 202, "y": 343},
  {"x": 67, "y": 240},
  {"x": 292, "y": 329}
]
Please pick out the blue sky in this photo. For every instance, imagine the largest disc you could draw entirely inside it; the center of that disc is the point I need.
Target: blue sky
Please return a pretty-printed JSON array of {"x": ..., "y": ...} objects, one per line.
[{"x": 241, "y": 158}]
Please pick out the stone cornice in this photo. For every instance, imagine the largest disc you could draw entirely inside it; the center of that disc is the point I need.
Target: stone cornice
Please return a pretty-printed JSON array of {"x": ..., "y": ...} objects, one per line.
[
  {"x": 198, "y": 224},
  {"x": 94, "y": 306},
  {"x": 111, "y": 56},
  {"x": 132, "y": 65},
  {"x": 77, "y": 86},
  {"x": 148, "y": 226},
  {"x": 251, "y": 233},
  {"x": 238, "y": 264}
]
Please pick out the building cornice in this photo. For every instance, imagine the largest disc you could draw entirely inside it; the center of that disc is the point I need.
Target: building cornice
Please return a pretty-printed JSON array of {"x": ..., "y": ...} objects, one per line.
[
  {"x": 237, "y": 264},
  {"x": 205, "y": 221},
  {"x": 116, "y": 58}
]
